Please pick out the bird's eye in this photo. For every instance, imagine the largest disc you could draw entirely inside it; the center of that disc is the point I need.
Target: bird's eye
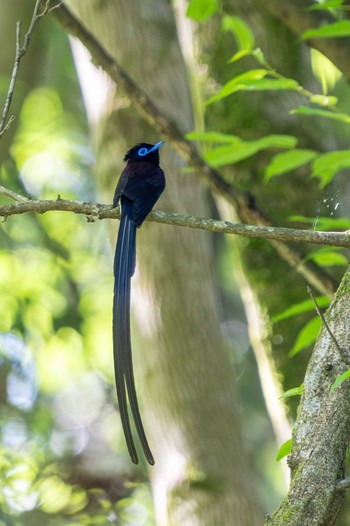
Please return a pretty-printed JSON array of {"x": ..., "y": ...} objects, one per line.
[{"x": 142, "y": 152}]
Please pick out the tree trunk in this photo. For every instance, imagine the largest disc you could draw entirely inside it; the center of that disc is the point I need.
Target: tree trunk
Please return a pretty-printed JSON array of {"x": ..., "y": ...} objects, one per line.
[
  {"x": 202, "y": 475},
  {"x": 322, "y": 429}
]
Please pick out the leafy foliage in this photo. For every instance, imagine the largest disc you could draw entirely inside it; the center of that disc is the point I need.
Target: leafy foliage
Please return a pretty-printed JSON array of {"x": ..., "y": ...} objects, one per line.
[
  {"x": 335, "y": 30},
  {"x": 301, "y": 308},
  {"x": 237, "y": 150},
  {"x": 295, "y": 391},
  {"x": 284, "y": 450},
  {"x": 288, "y": 161},
  {"x": 340, "y": 379},
  {"x": 306, "y": 336},
  {"x": 315, "y": 112},
  {"x": 201, "y": 10},
  {"x": 244, "y": 36}
]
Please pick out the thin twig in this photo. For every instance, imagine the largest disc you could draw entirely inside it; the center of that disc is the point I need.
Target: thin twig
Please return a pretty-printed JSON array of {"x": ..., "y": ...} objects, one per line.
[
  {"x": 96, "y": 211},
  {"x": 6, "y": 121},
  {"x": 12, "y": 195},
  {"x": 341, "y": 351}
]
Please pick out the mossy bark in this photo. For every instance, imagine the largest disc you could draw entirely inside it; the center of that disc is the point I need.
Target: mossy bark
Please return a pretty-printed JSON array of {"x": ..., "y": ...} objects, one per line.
[{"x": 322, "y": 429}]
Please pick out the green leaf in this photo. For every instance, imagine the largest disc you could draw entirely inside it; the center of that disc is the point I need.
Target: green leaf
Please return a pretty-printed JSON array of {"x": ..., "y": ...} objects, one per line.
[
  {"x": 277, "y": 141},
  {"x": 230, "y": 155},
  {"x": 327, "y": 165},
  {"x": 240, "y": 54},
  {"x": 259, "y": 56},
  {"x": 301, "y": 308},
  {"x": 327, "y": 257},
  {"x": 287, "y": 161},
  {"x": 240, "y": 150},
  {"x": 306, "y": 336},
  {"x": 314, "y": 112},
  {"x": 271, "y": 85},
  {"x": 231, "y": 86},
  {"x": 330, "y": 4},
  {"x": 253, "y": 80},
  {"x": 284, "y": 450},
  {"x": 201, "y": 10},
  {"x": 324, "y": 100},
  {"x": 340, "y": 379},
  {"x": 337, "y": 29},
  {"x": 241, "y": 31},
  {"x": 324, "y": 223},
  {"x": 295, "y": 391}
]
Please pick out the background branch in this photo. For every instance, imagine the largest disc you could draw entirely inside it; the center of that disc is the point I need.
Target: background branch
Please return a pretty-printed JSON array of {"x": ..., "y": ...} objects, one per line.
[
  {"x": 96, "y": 211},
  {"x": 321, "y": 432}
]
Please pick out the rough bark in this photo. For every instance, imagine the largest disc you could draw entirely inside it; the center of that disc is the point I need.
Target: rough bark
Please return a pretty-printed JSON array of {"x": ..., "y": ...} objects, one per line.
[
  {"x": 202, "y": 475},
  {"x": 322, "y": 430}
]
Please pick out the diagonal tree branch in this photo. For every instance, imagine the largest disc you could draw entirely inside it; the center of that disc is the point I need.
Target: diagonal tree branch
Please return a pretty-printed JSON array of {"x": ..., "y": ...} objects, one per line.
[
  {"x": 244, "y": 204},
  {"x": 96, "y": 211}
]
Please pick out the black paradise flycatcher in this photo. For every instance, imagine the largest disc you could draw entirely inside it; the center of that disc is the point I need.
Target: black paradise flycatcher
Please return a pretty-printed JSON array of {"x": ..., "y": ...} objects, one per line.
[{"x": 139, "y": 187}]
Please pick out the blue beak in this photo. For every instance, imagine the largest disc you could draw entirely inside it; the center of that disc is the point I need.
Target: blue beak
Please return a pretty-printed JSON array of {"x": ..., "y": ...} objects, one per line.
[{"x": 156, "y": 146}]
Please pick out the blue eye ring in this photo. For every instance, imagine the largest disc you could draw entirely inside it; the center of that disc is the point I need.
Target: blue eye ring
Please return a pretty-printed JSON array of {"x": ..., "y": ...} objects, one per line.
[{"x": 142, "y": 152}]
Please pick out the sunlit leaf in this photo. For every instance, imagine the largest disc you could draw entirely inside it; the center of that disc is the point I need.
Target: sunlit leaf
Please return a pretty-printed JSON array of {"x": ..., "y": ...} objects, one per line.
[
  {"x": 55, "y": 494},
  {"x": 253, "y": 80},
  {"x": 324, "y": 100},
  {"x": 295, "y": 391},
  {"x": 230, "y": 155},
  {"x": 287, "y": 161},
  {"x": 327, "y": 165},
  {"x": 306, "y": 336},
  {"x": 231, "y": 86},
  {"x": 57, "y": 365},
  {"x": 337, "y": 29},
  {"x": 270, "y": 85},
  {"x": 240, "y": 54},
  {"x": 301, "y": 308},
  {"x": 328, "y": 4},
  {"x": 201, "y": 10},
  {"x": 327, "y": 257},
  {"x": 284, "y": 450},
  {"x": 259, "y": 55},
  {"x": 314, "y": 112},
  {"x": 340, "y": 379},
  {"x": 241, "y": 31},
  {"x": 224, "y": 155}
]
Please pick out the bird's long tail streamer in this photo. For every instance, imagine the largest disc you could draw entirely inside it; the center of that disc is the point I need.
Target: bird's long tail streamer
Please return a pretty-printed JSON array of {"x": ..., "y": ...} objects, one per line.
[{"x": 124, "y": 266}]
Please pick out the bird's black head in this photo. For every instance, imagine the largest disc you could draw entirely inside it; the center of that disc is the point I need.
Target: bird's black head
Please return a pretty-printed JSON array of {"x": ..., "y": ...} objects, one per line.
[{"x": 144, "y": 152}]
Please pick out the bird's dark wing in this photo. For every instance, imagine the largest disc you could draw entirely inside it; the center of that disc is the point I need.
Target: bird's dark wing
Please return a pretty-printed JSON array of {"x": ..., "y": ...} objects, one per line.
[
  {"x": 142, "y": 183},
  {"x": 124, "y": 266}
]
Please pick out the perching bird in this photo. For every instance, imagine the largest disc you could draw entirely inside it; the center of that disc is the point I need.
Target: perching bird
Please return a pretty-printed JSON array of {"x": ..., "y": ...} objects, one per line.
[{"x": 139, "y": 187}]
